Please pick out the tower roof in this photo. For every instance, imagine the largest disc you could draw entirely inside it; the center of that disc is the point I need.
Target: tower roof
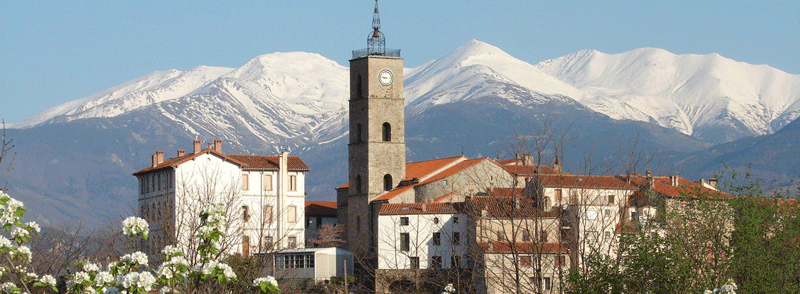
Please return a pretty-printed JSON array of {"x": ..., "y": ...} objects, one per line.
[{"x": 376, "y": 42}]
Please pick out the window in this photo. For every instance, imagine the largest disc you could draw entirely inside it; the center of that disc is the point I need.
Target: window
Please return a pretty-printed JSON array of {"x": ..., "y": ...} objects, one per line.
[
  {"x": 358, "y": 133},
  {"x": 543, "y": 236},
  {"x": 591, "y": 214},
  {"x": 573, "y": 198},
  {"x": 404, "y": 221},
  {"x": 267, "y": 182},
  {"x": 500, "y": 236},
  {"x": 610, "y": 199},
  {"x": 358, "y": 184},
  {"x": 557, "y": 195},
  {"x": 456, "y": 238},
  {"x": 607, "y": 213},
  {"x": 359, "y": 89},
  {"x": 455, "y": 220},
  {"x": 436, "y": 261},
  {"x": 267, "y": 214},
  {"x": 292, "y": 183},
  {"x": 319, "y": 222},
  {"x": 268, "y": 242},
  {"x": 292, "y": 242},
  {"x": 387, "y": 132},
  {"x": 546, "y": 283},
  {"x": 387, "y": 182},
  {"x": 592, "y": 236},
  {"x": 405, "y": 242},
  {"x": 455, "y": 261},
  {"x": 560, "y": 260},
  {"x": 435, "y": 220},
  {"x": 526, "y": 236},
  {"x": 437, "y": 239},
  {"x": 290, "y": 261},
  {"x": 414, "y": 262},
  {"x": 246, "y": 245},
  {"x": 245, "y": 213},
  {"x": 291, "y": 214},
  {"x": 546, "y": 203},
  {"x": 525, "y": 260},
  {"x": 607, "y": 235},
  {"x": 245, "y": 182}
]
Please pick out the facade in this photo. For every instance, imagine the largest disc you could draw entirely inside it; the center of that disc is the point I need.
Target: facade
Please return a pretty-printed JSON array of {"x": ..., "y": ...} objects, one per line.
[
  {"x": 264, "y": 198},
  {"x": 318, "y": 213}
]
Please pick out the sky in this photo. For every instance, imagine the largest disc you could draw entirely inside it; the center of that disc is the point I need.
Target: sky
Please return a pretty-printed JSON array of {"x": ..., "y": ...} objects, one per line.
[{"x": 52, "y": 52}]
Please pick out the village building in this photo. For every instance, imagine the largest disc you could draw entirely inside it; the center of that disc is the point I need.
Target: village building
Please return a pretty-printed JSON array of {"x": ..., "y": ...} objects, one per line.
[
  {"x": 263, "y": 197},
  {"x": 318, "y": 213}
]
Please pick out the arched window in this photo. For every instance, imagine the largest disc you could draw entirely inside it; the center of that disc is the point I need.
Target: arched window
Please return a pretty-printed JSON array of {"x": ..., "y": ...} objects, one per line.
[
  {"x": 358, "y": 132},
  {"x": 387, "y": 132},
  {"x": 387, "y": 182},
  {"x": 358, "y": 184},
  {"x": 359, "y": 91}
]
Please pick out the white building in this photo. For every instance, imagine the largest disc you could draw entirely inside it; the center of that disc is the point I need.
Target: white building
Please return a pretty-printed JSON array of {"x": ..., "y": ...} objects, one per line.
[
  {"x": 422, "y": 236},
  {"x": 264, "y": 198},
  {"x": 317, "y": 264}
]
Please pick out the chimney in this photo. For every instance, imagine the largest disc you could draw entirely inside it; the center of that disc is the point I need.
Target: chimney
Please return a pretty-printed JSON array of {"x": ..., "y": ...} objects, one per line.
[
  {"x": 210, "y": 146},
  {"x": 484, "y": 213},
  {"x": 712, "y": 182},
  {"x": 424, "y": 206},
  {"x": 160, "y": 155},
  {"x": 673, "y": 180},
  {"x": 181, "y": 152},
  {"x": 196, "y": 146},
  {"x": 556, "y": 164},
  {"x": 218, "y": 145},
  {"x": 516, "y": 202},
  {"x": 527, "y": 159},
  {"x": 650, "y": 180},
  {"x": 155, "y": 160}
]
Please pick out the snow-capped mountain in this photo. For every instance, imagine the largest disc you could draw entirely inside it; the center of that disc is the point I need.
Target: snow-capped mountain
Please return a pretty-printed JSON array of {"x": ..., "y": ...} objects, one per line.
[
  {"x": 79, "y": 155},
  {"x": 706, "y": 96}
]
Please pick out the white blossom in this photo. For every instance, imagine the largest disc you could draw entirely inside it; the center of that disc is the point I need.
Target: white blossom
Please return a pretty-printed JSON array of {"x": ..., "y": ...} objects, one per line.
[
  {"x": 34, "y": 226},
  {"x": 111, "y": 290},
  {"x": 24, "y": 251},
  {"x": 133, "y": 226},
  {"x": 103, "y": 278},
  {"x": 170, "y": 250},
  {"x": 48, "y": 280},
  {"x": 135, "y": 258},
  {"x": 91, "y": 267},
  {"x": 269, "y": 279},
  {"x": 144, "y": 280},
  {"x": 18, "y": 232},
  {"x": 8, "y": 287},
  {"x": 80, "y": 277},
  {"x": 5, "y": 242}
]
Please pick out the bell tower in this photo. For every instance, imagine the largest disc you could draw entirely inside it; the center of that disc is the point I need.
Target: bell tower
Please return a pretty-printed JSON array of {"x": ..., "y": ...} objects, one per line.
[{"x": 377, "y": 147}]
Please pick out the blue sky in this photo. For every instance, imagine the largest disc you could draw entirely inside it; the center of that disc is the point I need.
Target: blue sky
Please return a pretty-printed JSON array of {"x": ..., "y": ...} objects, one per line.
[{"x": 56, "y": 51}]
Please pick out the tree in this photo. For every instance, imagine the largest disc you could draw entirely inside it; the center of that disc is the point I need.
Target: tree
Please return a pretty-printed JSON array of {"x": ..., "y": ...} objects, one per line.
[
  {"x": 329, "y": 235},
  {"x": 6, "y": 155}
]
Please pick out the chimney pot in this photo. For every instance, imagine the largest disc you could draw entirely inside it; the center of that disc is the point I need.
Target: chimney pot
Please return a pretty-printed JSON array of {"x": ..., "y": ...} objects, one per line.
[
  {"x": 160, "y": 156},
  {"x": 712, "y": 182},
  {"x": 218, "y": 145},
  {"x": 196, "y": 146},
  {"x": 181, "y": 152},
  {"x": 210, "y": 146},
  {"x": 424, "y": 206}
]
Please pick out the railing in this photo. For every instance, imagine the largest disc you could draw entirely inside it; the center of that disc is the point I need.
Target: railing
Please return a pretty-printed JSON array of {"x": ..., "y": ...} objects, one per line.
[{"x": 366, "y": 52}]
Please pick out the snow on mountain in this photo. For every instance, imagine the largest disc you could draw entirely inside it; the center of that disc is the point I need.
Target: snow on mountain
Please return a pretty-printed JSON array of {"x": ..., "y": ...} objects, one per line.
[
  {"x": 477, "y": 69},
  {"x": 152, "y": 88},
  {"x": 695, "y": 94}
]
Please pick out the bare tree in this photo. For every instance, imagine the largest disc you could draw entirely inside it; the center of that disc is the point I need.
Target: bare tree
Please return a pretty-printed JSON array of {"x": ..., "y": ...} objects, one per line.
[{"x": 6, "y": 155}]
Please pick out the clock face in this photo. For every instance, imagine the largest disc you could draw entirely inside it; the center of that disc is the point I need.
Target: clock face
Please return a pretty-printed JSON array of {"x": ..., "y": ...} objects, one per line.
[{"x": 385, "y": 77}]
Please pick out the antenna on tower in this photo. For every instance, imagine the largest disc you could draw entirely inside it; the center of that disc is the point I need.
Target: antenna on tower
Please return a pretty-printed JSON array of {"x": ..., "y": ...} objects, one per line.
[{"x": 376, "y": 43}]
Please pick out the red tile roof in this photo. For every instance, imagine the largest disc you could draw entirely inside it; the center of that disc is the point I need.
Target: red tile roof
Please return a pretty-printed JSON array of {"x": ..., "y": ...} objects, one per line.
[
  {"x": 506, "y": 207},
  {"x": 245, "y": 161},
  {"x": 422, "y": 169},
  {"x": 417, "y": 208},
  {"x": 584, "y": 181},
  {"x": 527, "y": 247},
  {"x": 320, "y": 208},
  {"x": 444, "y": 198},
  {"x": 269, "y": 162},
  {"x": 685, "y": 187}
]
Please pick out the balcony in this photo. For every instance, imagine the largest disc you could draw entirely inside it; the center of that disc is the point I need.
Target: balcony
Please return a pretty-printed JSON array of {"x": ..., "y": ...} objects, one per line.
[{"x": 367, "y": 52}]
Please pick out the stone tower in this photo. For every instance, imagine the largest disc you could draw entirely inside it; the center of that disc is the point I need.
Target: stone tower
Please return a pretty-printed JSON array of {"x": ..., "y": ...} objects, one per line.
[{"x": 376, "y": 149}]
